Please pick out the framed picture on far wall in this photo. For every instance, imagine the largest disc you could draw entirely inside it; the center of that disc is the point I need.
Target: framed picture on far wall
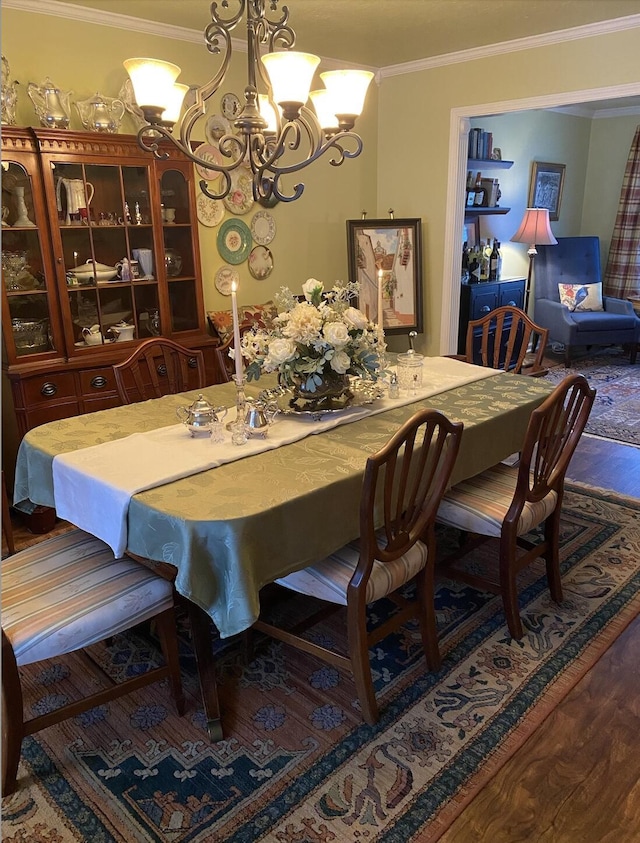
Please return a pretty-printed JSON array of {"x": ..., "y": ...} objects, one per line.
[
  {"x": 385, "y": 259},
  {"x": 545, "y": 190}
]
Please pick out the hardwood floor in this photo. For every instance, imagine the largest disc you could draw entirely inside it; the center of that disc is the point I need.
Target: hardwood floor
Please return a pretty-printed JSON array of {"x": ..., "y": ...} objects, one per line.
[{"x": 577, "y": 778}]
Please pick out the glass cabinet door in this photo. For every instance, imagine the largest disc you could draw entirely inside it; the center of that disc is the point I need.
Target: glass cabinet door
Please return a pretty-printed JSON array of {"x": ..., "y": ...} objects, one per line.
[
  {"x": 180, "y": 261},
  {"x": 109, "y": 260},
  {"x": 29, "y": 323}
]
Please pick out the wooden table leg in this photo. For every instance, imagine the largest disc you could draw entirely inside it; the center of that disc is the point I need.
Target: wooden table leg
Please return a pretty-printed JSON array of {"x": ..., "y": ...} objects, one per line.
[{"x": 201, "y": 636}]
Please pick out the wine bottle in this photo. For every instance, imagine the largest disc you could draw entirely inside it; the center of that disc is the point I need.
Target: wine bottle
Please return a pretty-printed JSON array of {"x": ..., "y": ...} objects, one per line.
[
  {"x": 493, "y": 261},
  {"x": 479, "y": 191}
]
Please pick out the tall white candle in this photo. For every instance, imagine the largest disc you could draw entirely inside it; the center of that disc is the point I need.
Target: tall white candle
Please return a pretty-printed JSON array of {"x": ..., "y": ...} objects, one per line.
[
  {"x": 380, "y": 315},
  {"x": 236, "y": 333}
]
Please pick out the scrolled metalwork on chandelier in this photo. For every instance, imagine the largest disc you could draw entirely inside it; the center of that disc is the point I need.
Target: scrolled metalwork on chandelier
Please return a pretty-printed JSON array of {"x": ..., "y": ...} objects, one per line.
[{"x": 277, "y": 133}]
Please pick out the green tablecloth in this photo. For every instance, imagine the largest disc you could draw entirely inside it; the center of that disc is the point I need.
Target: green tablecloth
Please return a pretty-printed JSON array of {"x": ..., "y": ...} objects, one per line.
[{"x": 232, "y": 529}]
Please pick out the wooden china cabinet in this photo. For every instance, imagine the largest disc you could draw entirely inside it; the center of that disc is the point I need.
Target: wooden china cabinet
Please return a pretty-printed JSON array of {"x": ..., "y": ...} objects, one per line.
[{"x": 47, "y": 176}]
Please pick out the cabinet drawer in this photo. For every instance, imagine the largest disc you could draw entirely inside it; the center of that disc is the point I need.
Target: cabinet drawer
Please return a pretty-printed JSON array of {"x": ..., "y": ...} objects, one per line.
[
  {"x": 511, "y": 293},
  {"x": 54, "y": 387},
  {"x": 95, "y": 383},
  {"x": 54, "y": 412},
  {"x": 483, "y": 301}
]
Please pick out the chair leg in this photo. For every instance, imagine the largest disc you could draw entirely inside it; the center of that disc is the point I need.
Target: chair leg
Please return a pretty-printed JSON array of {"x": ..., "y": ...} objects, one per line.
[
  {"x": 509, "y": 589},
  {"x": 12, "y": 719},
  {"x": 166, "y": 626},
  {"x": 427, "y": 616},
  {"x": 552, "y": 554},
  {"x": 360, "y": 665},
  {"x": 567, "y": 356}
]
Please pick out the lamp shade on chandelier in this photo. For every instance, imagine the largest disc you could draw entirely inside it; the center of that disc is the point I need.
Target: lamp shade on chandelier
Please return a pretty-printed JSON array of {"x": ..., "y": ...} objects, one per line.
[{"x": 276, "y": 132}]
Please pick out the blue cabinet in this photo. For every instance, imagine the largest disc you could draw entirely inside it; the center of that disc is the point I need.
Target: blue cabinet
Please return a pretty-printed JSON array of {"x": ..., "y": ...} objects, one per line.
[{"x": 476, "y": 300}]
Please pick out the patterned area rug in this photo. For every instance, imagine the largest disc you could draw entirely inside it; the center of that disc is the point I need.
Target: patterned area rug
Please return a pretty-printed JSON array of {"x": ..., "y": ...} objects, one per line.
[
  {"x": 297, "y": 764},
  {"x": 616, "y": 411}
]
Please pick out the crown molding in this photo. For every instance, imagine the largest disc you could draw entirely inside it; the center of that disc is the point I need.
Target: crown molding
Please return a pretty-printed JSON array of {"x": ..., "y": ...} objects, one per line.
[
  {"x": 534, "y": 41},
  {"x": 69, "y": 11}
]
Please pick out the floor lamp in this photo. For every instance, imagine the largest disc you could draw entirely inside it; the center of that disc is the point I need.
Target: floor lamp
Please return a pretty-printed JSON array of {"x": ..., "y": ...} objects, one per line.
[{"x": 534, "y": 230}]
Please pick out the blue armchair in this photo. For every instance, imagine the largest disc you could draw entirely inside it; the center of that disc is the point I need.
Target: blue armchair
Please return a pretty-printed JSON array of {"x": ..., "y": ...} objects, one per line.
[{"x": 576, "y": 260}]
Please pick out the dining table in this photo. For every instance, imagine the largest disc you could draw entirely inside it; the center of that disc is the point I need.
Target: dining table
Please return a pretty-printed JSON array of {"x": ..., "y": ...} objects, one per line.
[{"x": 230, "y": 519}]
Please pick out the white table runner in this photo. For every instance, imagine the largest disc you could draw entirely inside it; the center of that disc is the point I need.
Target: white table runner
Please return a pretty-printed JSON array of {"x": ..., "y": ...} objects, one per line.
[{"x": 93, "y": 486}]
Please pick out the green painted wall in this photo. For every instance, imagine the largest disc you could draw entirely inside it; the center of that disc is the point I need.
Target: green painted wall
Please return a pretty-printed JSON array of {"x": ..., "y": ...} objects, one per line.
[
  {"x": 311, "y": 232},
  {"x": 405, "y": 127}
]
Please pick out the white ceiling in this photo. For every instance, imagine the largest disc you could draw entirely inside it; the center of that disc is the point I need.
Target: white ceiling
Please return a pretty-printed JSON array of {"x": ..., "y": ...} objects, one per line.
[{"x": 380, "y": 33}]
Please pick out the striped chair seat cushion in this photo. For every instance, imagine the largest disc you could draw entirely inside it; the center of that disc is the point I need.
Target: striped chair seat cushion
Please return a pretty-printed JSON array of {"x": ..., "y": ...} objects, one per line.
[
  {"x": 330, "y": 578},
  {"x": 70, "y": 591},
  {"x": 479, "y": 505}
]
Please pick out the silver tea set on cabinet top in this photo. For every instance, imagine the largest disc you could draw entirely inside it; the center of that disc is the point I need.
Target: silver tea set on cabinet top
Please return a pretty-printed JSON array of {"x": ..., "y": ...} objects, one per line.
[
  {"x": 200, "y": 417},
  {"x": 52, "y": 105},
  {"x": 100, "y": 114}
]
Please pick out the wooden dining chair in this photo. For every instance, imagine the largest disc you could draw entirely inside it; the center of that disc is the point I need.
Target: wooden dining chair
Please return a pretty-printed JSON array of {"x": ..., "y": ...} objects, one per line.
[
  {"x": 159, "y": 366},
  {"x": 508, "y": 502},
  {"x": 60, "y": 596},
  {"x": 403, "y": 484},
  {"x": 519, "y": 333}
]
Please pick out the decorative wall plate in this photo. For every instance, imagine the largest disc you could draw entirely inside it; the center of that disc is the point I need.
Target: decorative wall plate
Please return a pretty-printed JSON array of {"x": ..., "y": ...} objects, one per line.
[
  {"x": 215, "y": 127},
  {"x": 210, "y": 211},
  {"x": 230, "y": 106},
  {"x": 234, "y": 241},
  {"x": 260, "y": 263},
  {"x": 263, "y": 228},
  {"x": 210, "y": 153},
  {"x": 225, "y": 277},
  {"x": 240, "y": 198}
]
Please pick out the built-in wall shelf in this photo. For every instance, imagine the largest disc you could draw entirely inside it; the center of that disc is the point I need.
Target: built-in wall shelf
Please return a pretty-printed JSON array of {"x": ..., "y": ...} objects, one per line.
[
  {"x": 480, "y": 211},
  {"x": 489, "y": 162}
]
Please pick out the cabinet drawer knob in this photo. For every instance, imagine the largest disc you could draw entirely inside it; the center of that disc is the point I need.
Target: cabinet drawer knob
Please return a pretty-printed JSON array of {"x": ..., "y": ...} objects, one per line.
[
  {"x": 99, "y": 382},
  {"x": 48, "y": 389},
  {"x": 193, "y": 363},
  {"x": 485, "y": 309},
  {"x": 161, "y": 369}
]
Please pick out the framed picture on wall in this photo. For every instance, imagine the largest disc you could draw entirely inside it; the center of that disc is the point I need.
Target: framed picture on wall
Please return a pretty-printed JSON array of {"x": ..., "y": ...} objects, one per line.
[
  {"x": 545, "y": 190},
  {"x": 385, "y": 259}
]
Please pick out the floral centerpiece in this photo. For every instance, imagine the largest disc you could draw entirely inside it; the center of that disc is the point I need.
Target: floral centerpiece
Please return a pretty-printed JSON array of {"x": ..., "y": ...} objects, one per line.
[{"x": 316, "y": 344}]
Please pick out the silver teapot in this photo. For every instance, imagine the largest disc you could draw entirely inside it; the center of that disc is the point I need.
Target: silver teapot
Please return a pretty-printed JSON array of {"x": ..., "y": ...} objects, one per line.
[
  {"x": 259, "y": 415},
  {"x": 52, "y": 105},
  {"x": 100, "y": 114},
  {"x": 200, "y": 416}
]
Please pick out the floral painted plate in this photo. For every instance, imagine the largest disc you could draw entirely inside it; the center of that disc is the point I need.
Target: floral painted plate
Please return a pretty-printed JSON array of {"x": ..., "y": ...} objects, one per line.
[
  {"x": 263, "y": 228},
  {"x": 234, "y": 241},
  {"x": 210, "y": 153},
  {"x": 224, "y": 279},
  {"x": 209, "y": 211},
  {"x": 260, "y": 263},
  {"x": 240, "y": 198},
  {"x": 215, "y": 127}
]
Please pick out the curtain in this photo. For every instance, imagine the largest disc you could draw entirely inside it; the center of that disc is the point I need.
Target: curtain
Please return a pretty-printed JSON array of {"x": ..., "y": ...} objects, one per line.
[{"x": 622, "y": 275}]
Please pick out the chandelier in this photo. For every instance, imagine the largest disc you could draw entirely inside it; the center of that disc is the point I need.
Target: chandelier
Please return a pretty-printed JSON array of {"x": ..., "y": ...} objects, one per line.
[{"x": 276, "y": 132}]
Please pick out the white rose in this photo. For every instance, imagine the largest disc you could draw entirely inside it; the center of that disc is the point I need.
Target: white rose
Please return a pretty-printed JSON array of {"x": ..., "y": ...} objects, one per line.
[
  {"x": 336, "y": 334},
  {"x": 309, "y": 286},
  {"x": 340, "y": 362},
  {"x": 356, "y": 318},
  {"x": 280, "y": 350}
]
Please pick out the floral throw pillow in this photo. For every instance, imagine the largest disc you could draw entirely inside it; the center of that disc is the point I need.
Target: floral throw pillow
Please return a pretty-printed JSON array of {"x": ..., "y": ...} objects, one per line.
[
  {"x": 261, "y": 315},
  {"x": 581, "y": 297}
]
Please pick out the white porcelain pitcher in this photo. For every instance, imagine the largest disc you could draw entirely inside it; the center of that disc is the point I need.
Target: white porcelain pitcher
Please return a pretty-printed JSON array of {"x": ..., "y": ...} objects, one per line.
[{"x": 77, "y": 199}]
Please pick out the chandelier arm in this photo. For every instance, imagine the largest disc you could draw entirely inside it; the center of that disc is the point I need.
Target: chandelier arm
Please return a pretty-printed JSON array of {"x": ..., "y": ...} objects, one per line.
[
  {"x": 252, "y": 145},
  {"x": 217, "y": 194}
]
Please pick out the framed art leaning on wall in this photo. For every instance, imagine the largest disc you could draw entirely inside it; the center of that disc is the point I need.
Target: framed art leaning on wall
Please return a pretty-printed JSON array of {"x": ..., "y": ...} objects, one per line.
[
  {"x": 385, "y": 259},
  {"x": 545, "y": 190}
]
